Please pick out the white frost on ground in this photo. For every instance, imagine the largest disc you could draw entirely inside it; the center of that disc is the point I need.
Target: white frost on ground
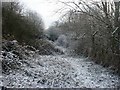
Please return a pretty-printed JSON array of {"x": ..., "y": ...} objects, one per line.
[{"x": 60, "y": 71}]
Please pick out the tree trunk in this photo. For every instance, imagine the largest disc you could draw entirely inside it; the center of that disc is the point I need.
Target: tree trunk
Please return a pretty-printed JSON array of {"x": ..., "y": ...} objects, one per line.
[{"x": 117, "y": 24}]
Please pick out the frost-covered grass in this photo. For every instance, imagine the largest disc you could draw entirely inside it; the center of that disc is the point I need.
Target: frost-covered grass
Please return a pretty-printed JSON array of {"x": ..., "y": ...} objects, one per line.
[{"x": 60, "y": 71}]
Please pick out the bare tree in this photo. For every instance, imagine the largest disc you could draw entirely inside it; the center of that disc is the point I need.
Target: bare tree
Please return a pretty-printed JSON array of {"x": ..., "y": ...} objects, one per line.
[{"x": 97, "y": 28}]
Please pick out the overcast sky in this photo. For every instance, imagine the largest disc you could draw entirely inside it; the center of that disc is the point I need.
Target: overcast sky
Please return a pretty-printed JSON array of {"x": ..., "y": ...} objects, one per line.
[{"x": 46, "y": 8}]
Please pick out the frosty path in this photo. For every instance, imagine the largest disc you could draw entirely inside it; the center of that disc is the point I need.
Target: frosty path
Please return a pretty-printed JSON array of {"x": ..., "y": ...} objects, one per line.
[{"x": 61, "y": 71}]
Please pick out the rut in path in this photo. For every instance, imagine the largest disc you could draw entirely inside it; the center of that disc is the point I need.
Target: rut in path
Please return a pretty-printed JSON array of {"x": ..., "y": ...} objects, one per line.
[{"x": 61, "y": 71}]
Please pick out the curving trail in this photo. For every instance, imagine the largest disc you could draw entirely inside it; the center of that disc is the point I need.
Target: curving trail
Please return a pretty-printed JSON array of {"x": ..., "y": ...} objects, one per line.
[{"x": 61, "y": 71}]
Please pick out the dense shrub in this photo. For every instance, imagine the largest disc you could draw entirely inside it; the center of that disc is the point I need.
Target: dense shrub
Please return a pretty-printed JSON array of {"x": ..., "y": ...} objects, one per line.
[
  {"x": 25, "y": 26},
  {"x": 20, "y": 25},
  {"x": 96, "y": 29}
]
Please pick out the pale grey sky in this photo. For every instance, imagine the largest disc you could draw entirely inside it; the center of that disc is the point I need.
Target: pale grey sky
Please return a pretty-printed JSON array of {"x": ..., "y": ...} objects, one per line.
[{"x": 46, "y": 8}]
